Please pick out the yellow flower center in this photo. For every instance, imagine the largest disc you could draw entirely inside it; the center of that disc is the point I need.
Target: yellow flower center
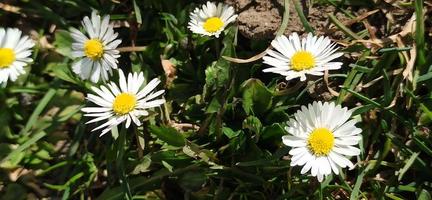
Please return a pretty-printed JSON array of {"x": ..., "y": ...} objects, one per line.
[
  {"x": 124, "y": 103},
  {"x": 321, "y": 141},
  {"x": 7, "y": 57},
  {"x": 302, "y": 60},
  {"x": 93, "y": 49},
  {"x": 213, "y": 24}
]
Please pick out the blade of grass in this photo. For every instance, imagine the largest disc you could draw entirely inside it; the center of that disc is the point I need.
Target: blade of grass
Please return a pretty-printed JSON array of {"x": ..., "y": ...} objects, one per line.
[
  {"x": 339, "y": 7},
  {"x": 360, "y": 68},
  {"x": 137, "y": 12},
  {"x": 40, "y": 107},
  {"x": 407, "y": 165},
  {"x": 419, "y": 34},
  {"x": 302, "y": 17},
  {"x": 394, "y": 49},
  {"x": 424, "y": 147},
  {"x": 285, "y": 19},
  {"x": 356, "y": 189},
  {"x": 142, "y": 182},
  {"x": 25, "y": 145},
  {"x": 343, "y": 28}
]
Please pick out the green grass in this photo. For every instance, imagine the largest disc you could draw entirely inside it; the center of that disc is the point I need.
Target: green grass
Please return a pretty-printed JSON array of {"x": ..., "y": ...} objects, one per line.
[{"x": 219, "y": 134}]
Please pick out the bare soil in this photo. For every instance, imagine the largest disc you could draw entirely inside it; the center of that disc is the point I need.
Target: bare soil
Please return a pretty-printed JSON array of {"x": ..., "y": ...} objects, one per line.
[{"x": 260, "y": 19}]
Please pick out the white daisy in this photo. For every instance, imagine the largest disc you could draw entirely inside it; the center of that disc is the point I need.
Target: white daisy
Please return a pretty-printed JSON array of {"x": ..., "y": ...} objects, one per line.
[
  {"x": 210, "y": 19},
  {"x": 126, "y": 103},
  {"x": 97, "y": 53},
  {"x": 321, "y": 136},
  {"x": 15, "y": 52},
  {"x": 294, "y": 58}
]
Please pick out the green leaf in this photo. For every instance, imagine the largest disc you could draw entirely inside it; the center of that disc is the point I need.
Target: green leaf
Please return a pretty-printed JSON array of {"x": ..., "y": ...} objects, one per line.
[
  {"x": 167, "y": 165},
  {"x": 214, "y": 105},
  {"x": 168, "y": 135},
  {"x": 142, "y": 166},
  {"x": 230, "y": 133},
  {"x": 424, "y": 195},
  {"x": 275, "y": 131},
  {"x": 62, "y": 71},
  {"x": 217, "y": 74},
  {"x": 63, "y": 43},
  {"x": 253, "y": 124},
  {"x": 256, "y": 97}
]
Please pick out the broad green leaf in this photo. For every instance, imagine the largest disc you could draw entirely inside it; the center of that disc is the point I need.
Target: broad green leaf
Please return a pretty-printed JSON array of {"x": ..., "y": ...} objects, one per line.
[
  {"x": 217, "y": 74},
  {"x": 230, "y": 133},
  {"x": 63, "y": 43},
  {"x": 142, "y": 166},
  {"x": 274, "y": 131},
  {"x": 214, "y": 105},
  {"x": 63, "y": 71},
  {"x": 168, "y": 135},
  {"x": 256, "y": 97},
  {"x": 253, "y": 124},
  {"x": 424, "y": 195}
]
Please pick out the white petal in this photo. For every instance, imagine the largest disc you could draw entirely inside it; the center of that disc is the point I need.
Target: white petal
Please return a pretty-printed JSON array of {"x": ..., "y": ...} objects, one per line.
[
  {"x": 148, "y": 88},
  {"x": 347, "y": 150},
  {"x": 95, "y": 109},
  {"x": 152, "y": 104},
  {"x": 340, "y": 160}
]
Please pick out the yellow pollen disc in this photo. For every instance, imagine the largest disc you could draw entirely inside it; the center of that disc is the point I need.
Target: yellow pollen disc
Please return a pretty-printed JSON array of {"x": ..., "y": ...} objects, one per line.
[
  {"x": 93, "y": 49},
  {"x": 7, "y": 57},
  {"x": 213, "y": 24},
  {"x": 302, "y": 60},
  {"x": 124, "y": 103},
  {"x": 321, "y": 141}
]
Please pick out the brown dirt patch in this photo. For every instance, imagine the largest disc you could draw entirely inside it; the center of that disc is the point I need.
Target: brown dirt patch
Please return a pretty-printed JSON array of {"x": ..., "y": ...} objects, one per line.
[{"x": 260, "y": 19}]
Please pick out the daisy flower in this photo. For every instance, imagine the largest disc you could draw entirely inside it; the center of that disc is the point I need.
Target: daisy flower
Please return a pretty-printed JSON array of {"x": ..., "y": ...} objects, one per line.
[
  {"x": 97, "y": 50},
  {"x": 321, "y": 135},
  {"x": 295, "y": 58},
  {"x": 15, "y": 52},
  {"x": 211, "y": 19},
  {"x": 125, "y": 103}
]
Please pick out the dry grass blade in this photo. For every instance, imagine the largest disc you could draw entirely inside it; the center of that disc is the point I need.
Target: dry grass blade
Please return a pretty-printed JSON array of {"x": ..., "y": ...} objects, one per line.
[
  {"x": 372, "y": 82},
  {"x": 248, "y": 60},
  {"x": 10, "y": 8},
  {"x": 360, "y": 18},
  {"x": 132, "y": 49},
  {"x": 408, "y": 72},
  {"x": 408, "y": 28}
]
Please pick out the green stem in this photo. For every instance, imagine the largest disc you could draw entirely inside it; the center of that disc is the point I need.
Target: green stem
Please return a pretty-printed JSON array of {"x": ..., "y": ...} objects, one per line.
[
  {"x": 419, "y": 35},
  {"x": 285, "y": 19},
  {"x": 120, "y": 151},
  {"x": 302, "y": 17},
  {"x": 320, "y": 191}
]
